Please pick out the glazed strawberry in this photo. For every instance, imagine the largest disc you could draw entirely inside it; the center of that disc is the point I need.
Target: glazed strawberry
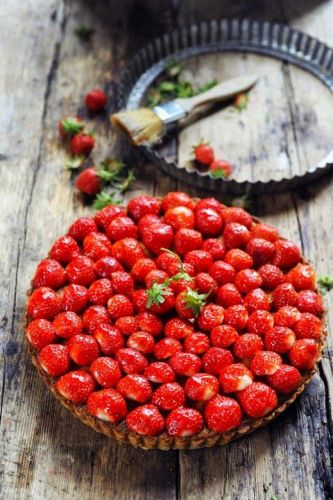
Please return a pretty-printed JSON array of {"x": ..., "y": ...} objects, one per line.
[
  {"x": 214, "y": 246},
  {"x": 185, "y": 363},
  {"x": 265, "y": 232},
  {"x": 247, "y": 345},
  {"x": 287, "y": 254},
  {"x": 247, "y": 280},
  {"x": 40, "y": 333},
  {"x": 67, "y": 324},
  {"x": 180, "y": 218},
  {"x": 256, "y": 300},
  {"x": 96, "y": 246},
  {"x": 158, "y": 236},
  {"x": 120, "y": 305},
  {"x": 222, "y": 414},
  {"x": 236, "y": 235},
  {"x": 131, "y": 360},
  {"x": 95, "y": 100},
  {"x": 208, "y": 222},
  {"x": 80, "y": 271},
  {"x": 155, "y": 276},
  {"x": 139, "y": 300},
  {"x": 284, "y": 295},
  {"x": 106, "y": 371},
  {"x": 235, "y": 377},
  {"x": 212, "y": 203},
  {"x": 122, "y": 227},
  {"x": 88, "y": 181},
  {"x": 279, "y": 339},
  {"x": 122, "y": 283},
  {"x": 302, "y": 277},
  {"x": 43, "y": 303},
  {"x": 169, "y": 396},
  {"x": 187, "y": 240},
  {"x": 159, "y": 373},
  {"x": 304, "y": 354},
  {"x": 211, "y": 315},
  {"x": 310, "y": 302},
  {"x": 259, "y": 322},
  {"x": 100, "y": 291},
  {"x": 150, "y": 323},
  {"x": 265, "y": 363},
  {"x": 220, "y": 168},
  {"x": 204, "y": 283},
  {"x": 109, "y": 338},
  {"x": 285, "y": 379},
  {"x": 196, "y": 343},
  {"x": 145, "y": 420},
  {"x": 82, "y": 144},
  {"x": 127, "y": 251},
  {"x": 236, "y": 316},
  {"x": 199, "y": 259},
  {"x": 74, "y": 298},
  {"x": 104, "y": 217},
  {"x": 203, "y": 153},
  {"x": 201, "y": 387},
  {"x": 127, "y": 324},
  {"x": 83, "y": 349},
  {"x": 165, "y": 259},
  {"x": 184, "y": 422},
  {"x": 105, "y": 266},
  {"x": 223, "y": 336},
  {"x": 237, "y": 214},
  {"x": 238, "y": 259},
  {"x": 143, "y": 205},
  {"x": 261, "y": 251},
  {"x": 64, "y": 249},
  {"x": 108, "y": 405},
  {"x": 215, "y": 359},
  {"x": 49, "y": 273},
  {"x": 141, "y": 268},
  {"x": 176, "y": 199},
  {"x": 135, "y": 387},
  {"x": 147, "y": 221},
  {"x": 257, "y": 400},
  {"x": 286, "y": 316},
  {"x": 308, "y": 326},
  {"x": 222, "y": 272},
  {"x": 70, "y": 126},
  {"x": 272, "y": 276},
  {"x": 81, "y": 228},
  {"x": 141, "y": 341},
  {"x": 93, "y": 317},
  {"x": 177, "y": 328},
  {"x": 76, "y": 386},
  {"x": 54, "y": 359}
]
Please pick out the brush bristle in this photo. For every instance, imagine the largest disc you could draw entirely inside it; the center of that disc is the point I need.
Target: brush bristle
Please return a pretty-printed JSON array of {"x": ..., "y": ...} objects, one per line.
[{"x": 142, "y": 125}]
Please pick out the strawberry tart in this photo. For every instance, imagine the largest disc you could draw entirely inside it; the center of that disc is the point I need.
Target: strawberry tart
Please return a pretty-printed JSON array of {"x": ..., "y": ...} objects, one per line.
[{"x": 175, "y": 323}]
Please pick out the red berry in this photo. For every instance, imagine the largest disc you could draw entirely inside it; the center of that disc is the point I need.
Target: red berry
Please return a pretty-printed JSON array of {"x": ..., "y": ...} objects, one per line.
[
  {"x": 211, "y": 315},
  {"x": 88, "y": 181},
  {"x": 108, "y": 405},
  {"x": 158, "y": 236},
  {"x": 261, "y": 251},
  {"x": 304, "y": 354},
  {"x": 247, "y": 345},
  {"x": 165, "y": 259},
  {"x": 286, "y": 316},
  {"x": 155, "y": 276},
  {"x": 95, "y": 100},
  {"x": 308, "y": 326},
  {"x": 196, "y": 343},
  {"x": 122, "y": 283},
  {"x": 222, "y": 272},
  {"x": 236, "y": 235},
  {"x": 259, "y": 322},
  {"x": 143, "y": 205},
  {"x": 257, "y": 299},
  {"x": 284, "y": 295},
  {"x": 109, "y": 338},
  {"x": 69, "y": 126},
  {"x": 180, "y": 218},
  {"x": 41, "y": 332},
  {"x": 159, "y": 373},
  {"x": 199, "y": 259},
  {"x": 83, "y": 349},
  {"x": 81, "y": 228},
  {"x": 228, "y": 295},
  {"x": 257, "y": 400},
  {"x": 279, "y": 339},
  {"x": 76, "y": 386},
  {"x": 310, "y": 302},
  {"x": 211, "y": 203},
  {"x": 208, "y": 222},
  {"x": 135, "y": 387},
  {"x": 127, "y": 251},
  {"x": 150, "y": 323},
  {"x": 141, "y": 268},
  {"x": 187, "y": 240},
  {"x": 223, "y": 336},
  {"x": 222, "y": 414},
  {"x": 141, "y": 341},
  {"x": 214, "y": 246},
  {"x": 238, "y": 259},
  {"x": 265, "y": 232},
  {"x": 43, "y": 303},
  {"x": 167, "y": 305},
  {"x": 236, "y": 316},
  {"x": 127, "y": 324},
  {"x": 139, "y": 300},
  {"x": 106, "y": 371},
  {"x": 67, "y": 324},
  {"x": 145, "y": 420},
  {"x": 82, "y": 144},
  {"x": 287, "y": 254},
  {"x": 120, "y": 305},
  {"x": 237, "y": 214},
  {"x": 185, "y": 363},
  {"x": 169, "y": 396},
  {"x": 221, "y": 166},
  {"x": 184, "y": 422},
  {"x": 201, "y": 387},
  {"x": 271, "y": 275},
  {"x": 93, "y": 317},
  {"x": 74, "y": 298},
  {"x": 177, "y": 328},
  {"x": 54, "y": 359},
  {"x": 235, "y": 377},
  {"x": 105, "y": 266},
  {"x": 247, "y": 280},
  {"x": 105, "y": 216},
  {"x": 215, "y": 359},
  {"x": 285, "y": 379},
  {"x": 100, "y": 291},
  {"x": 49, "y": 273},
  {"x": 302, "y": 277},
  {"x": 96, "y": 246},
  {"x": 80, "y": 271},
  {"x": 147, "y": 221},
  {"x": 204, "y": 153},
  {"x": 131, "y": 360},
  {"x": 176, "y": 199},
  {"x": 122, "y": 227},
  {"x": 265, "y": 363}
]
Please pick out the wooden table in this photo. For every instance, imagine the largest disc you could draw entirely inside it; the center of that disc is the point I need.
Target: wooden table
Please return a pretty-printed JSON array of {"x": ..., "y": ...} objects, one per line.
[{"x": 45, "y": 452}]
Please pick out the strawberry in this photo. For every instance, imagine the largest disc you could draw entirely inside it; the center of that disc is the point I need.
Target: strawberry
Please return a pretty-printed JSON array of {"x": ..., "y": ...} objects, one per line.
[
  {"x": 80, "y": 271},
  {"x": 105, "y": 266},
  {"x": 285, "y": 379},
  {"x": 169, "y": 396},
  {"x": 247, "y": 345},
  {"x": 106, "y": 371},
  {"x": 196, "y": 343},
  {"x": 127, "y": 251},
  {"x": 215, "y": 359},
  {"x": 284, "y": 295},
  {"x": 203, "y": 153},
  {"x": 145, "y": 420},
  {"x": 201, "y": 387},
  {"x": 238, "y": 259},
  {"x": 104, "y": 217},
  {"x": 179, "y": 284},
  {"x": 64, "y": 249},
  {"x": 265, "y": 232},
  {"x": 304, "y": 354},
  {"x": 208, "y": 222},
  {"x": 160, "y": 299},
  {"x": 184, "y": 268},
  {"x": 41, "y": 332},
  {"x": 204, "y": 283},
  {"x": 222, "y": 414},
  {"x": 279, "y": 339},
  {"x": 302, "y": 277},
  {"x": 141, "y": 268},
  {"x": 199, "y": 259},
  {"x": 257, "y": 299},
  {"x": 122, "y": 283},
  {"x": 83, "y": 349},
  {"x": 127, "y": 324},
  {"x": 259, "y": 322},
  {"x": 220, "y": 169},
  {"x": 93, "y": 317},
  {"x": 158, "y": 236},
  {"x": 236, "y": 316},
  {"x": 214, "y": 246},
  {"x": 147, "y": 221},
  {"x": 211, "y": 315},
  {"x": 310, "y": 302},
  {"x": 236, "y": 235},
  {"x": 247, "y": 280},
  {"x": 177, "y": 328},
  {"x": 211, "y": 203},
  {"x": 109, "y": 338},
  {"x": 155, "y": 276},
  {"x": 120, "y": 305},
  {"x": 184, "y": 422},
  {"x": 141, "y": 341},
  {"x": 88, "y": 181},
  {"x": 222, "y": 272},
  {"x": 76, "y": 386},
  {"x": 308, "y": 326},
  {"x": 100, "y": 291},
  {"x": 107, "y": 404},
  {"x": 122, "y": 227},
  {"x": 95, "y": 100},
  {"x": 82, "y": 144},
  {"x": 271, "y": 275},
  {"x": 131, "y": 360},
  {"x": 176, "y": 199},
  {"x": 257, "y": 400},
  {"x": 228, "y": 295},
  {"x": 49, "y": 273},
  {"x": 96, "y": 246},
  {"x": 287, "y": 254},
  {"x": 286, "y": 316},
  {"x": 235, "y": 377},
  {"x": 180, "y": 218},
  {"x": 237, "y": 214},
  {"x": 74, "y": 298},
  {"x": 54, "y": 359},
  {"x": 185, "y": 363},
  {"x": 135, "y": 387},
  {"x": 159, "y": 373},
  {"x": 165, "y": 259},
  {"x": 143, "y": 205},
  {"x": 187, "y": 240},
  {"x": 223, "y": 336},
  {"x": 150, "y": 323},
  {"x": 70, "y": 126},
  {"x": 265, "y": 363},
  {"x": 139, "y": 300},
  {"x": 81, "y": 228},
  {"x": 189, "y": 303},
  {"x": 43, "y": 303},
  {"x": 67, "y": 324},
  {"x": 261, "y": 251}
]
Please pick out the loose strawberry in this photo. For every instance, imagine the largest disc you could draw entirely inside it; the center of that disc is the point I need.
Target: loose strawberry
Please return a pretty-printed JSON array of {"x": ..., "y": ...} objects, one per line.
[
  {"x": 108, "y": 405},
  {"x": 201, "y": 387},
  {"x": 41, "y": 332},
  {"x": 177, "y": 328},
  {"x": 302, "y": 277},
  {"x": 247, "y": 280},
  {"x": 141, "y": 268},
  {"x": 70, "y": 126},
  {"x": 106, "y": 371},
  {"x": 76, "y": 386},
  {"x": 120, "y": 305},
  {"x": 265, "y": 363},
  {"x": 215, "y": 359},
  {"x": 279, "y": 339},
  {"x": 74, "y": 298},
  {"x": 81, "y": 228},
  {"x": 96, "y": 246},
  {"x": 208, "y": 222},
  {"x": 286, "y": 316},
  {"x": 287, "y": 254},
  {"x": 222, "y": 414},
  {"x": 214, "y": 246},
  {"x": 176, "y": 199},
  {"x": 104, "y": 217},
  {"x": 135, "y": 387},
  {"x": 89, "y": 182},
  {"x": 143, "y": 205},
  {"x": 43, "y": 303},
  {"x": 127, "y": 251},
  {"x": 169, "y": 396},
  {"x": 272, "y": 276},
  {"x": 235, "y": 377},
  {"x": 158, "y": 236},
  {"x": 256, "y": 300},
  {"x": 187, "y": 240},
  {"x": 211, "y": 316},
  {"x": 127, "y": 324},
  {"x": 258, "y": 400},
  {"x": 80, "y": 271},
  {"x": 180, "y": 218},
  {"x": 54, "y": 359},
  {"x": 65, "y": 249},
  {"x": 265, "y": 232},
  {"x": 122, "y": 283},
  {"x": 203, "y": 153},
  {"x": 141, "y": 341},
  {"x": 196, "y": 343},
  {"x": 238, "y": 259},
  {"x": 310, "y": 302},
  {"x": 236, "y": 235},
  {"x": 237, "y": 214},
  {"x": 236, "y": 316},
  {"x": 109, "y": 338},
  {"x": 131, "y": 360},
  {"x": 83, "y": 349},
  {"x": 247, "y": 345},
  {"x": 184, "y": 422},
  {"x": 259, "y": 322},
  {"x": 122, "y": 227},
  {"x": 223, "y": 336},
  {"x": 220, "y": 169},
  {"x": 285, "y": 379},
  {"x": 308, "y": 326},
  {"x": 284, "y": 295},
  {"x": 105, "y": 266},
  {"x": 100, "y": 292},
  {"x": 67, "y": 324},
  {"x": 49, "y": 273},
  {"x": 95, "y": 100},
  {"x": 82, "y": 144},
  {"x": 261, "y": 251},
  {"x": 145, "y": 420},
  {"x": 185, "y": 363},
  {"x": 304, "y": 354},
  {"x": 222, "y": 272},
  {"x": 159, "y": 373}
]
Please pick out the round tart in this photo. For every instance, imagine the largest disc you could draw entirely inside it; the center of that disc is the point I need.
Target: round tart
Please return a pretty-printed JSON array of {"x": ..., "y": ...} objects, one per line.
[{"x": 175, "y": 322}]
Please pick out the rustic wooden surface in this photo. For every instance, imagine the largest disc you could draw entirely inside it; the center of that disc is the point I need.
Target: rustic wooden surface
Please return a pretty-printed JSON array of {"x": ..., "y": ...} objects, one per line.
[{"x": 45, "y": 70}]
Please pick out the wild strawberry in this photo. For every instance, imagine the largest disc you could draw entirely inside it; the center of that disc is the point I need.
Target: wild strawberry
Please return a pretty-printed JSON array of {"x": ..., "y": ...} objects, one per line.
[
  {"x": 284, "y": 295},
  {"x": 265, "y": 363},
  {"x": 74, "y": 298},
  {"x": 141, "y": 341},
  {"x": 177, "y": 328},
  {"x": 106, "y": 371},
  {"x": 158, "y": 236},
  {"x": 199, "y": 259},
  {"x": 204, "y": 283},
  {"x": 308, "y": 326},
  {"x": 184, "y": 422},
  {"x": 76, "y": 386},
  {"x": 109, "y": 338},
  {"x": 257, "y": 400},
  {"x": 107, "y": 404},
  {"x": 88, "y": 181},
  {"x": 176, "y": 199},
  {"x": 165, "y": 259},
  {"x": 135, "y": 387},
  {"x": 104, "y": 217},
  {"x": 145, "y": 420},
  {"x": 54, "y": 359},
  {"x": 259, "y": 322},
  {"x": 265, "y": 232},
  {"x": 122, "y": 283},
  {"x": 155, "y": 276},
  {"x": 220, "y": 168},
  {"x": 95, "y": 100},
  {"x": 127, "y": 251},
  {"x": 105, "y": 266},
  {"x": 261, "y": 251},
  {"x": 208, "y": 222},
  {"x": 247, "y": 345},
  {"x": 310, "y": 302},
  {"x": 70, "y": 126},
  {"x": 150, "y": 323},
  {"x": 100, "y": 291},
  {"x": 302, "y": 277},
  {"x": 196, "y": 343},
  {"x": 41, "y": 332},
  {"x": 49, "y": 273},
  {"x": 80, "y": 271},
  {"x": 96, "y": 246},
  {"x": 147, "y": 221},
  {"x": 201, "y": 387},
  {"x": 93, "y": 317},
  {"x": 222, "y": 414},
  {"x": 127, "y": 324},
  {"x": 228, "y": 295},
  {"x": 247, "y": 280},
  {"x": 223, "y": 336},
  {"x": 203, "y": 153},
  {"x": 139, "y": 300},
  {"x": 141, "y": 268},
  {"x": 64, "y": 249},
  {"x": 83, "y": 349},
  {"x": 285, "y": 379},
  {"x": 236, "y": 316},
  {"x": 82, "y": 144},
  {"x": 215, "y": 359},
  {"x": 159, "y": 373},
  {"x": 143, "y": 205},
  {"x": 122, "y": 227},
  {"x": 279, "y": 339},
  {"x": 239, "y": 215},
  {"x": 214, "y": 246},
  {"x": 180, "y": 218},
  {"x": 286, "y": 316},
  {"x": 131, "y": 360},
  {"x": 169, "y": 396},
  {"x": 43, "y": 303},
  {"x": 211, "y": 315},
  {"x": 304, "y": 354},
  {"x": 120, "y": 305},
  {"x": 257, "y": 299},
  {"x": 186, "y": 240},
  {"x": 222, "y": 272},
  {"x": 67, "y": 324},
  {"x": 235, "y": 377},
  {"x": 272, "y": 276},
  {"x": 81, "y": 228},
  {"x": 238, "y": 259},
  {"x": 287, "y": 254},
  {"x": 236, "y": 235},
  {"x": 185, "y": 363}
]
